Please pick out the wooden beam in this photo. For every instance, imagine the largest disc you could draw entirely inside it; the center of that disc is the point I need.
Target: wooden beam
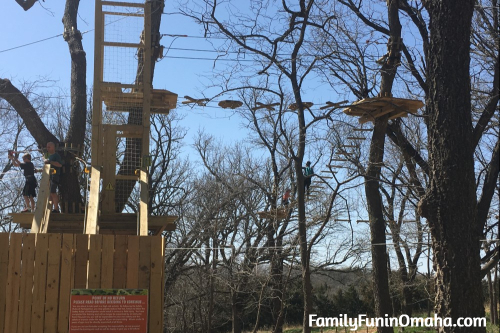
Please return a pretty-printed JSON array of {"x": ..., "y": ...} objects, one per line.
[
  {"x": 96, "y": 143},
  {"x": 116, "y": 44},
  {"x": 43, "y": 199},
  {"x": 142, "y": 227},
  {"x": 93, "y": 206},
  {"x": 122, "y": 4}
]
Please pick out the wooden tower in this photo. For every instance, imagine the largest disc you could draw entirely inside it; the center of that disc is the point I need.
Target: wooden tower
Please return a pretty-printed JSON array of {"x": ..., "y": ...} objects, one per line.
[{"x": 116, "y": 55}]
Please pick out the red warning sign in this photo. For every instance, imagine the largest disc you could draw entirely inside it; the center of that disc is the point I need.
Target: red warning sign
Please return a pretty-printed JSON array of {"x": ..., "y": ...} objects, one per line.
[{"x": 108, "y": 313}]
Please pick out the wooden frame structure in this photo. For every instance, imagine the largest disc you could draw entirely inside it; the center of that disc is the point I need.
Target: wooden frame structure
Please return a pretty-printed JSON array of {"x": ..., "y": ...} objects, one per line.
[
  {"x": 122, "y": 96},
  {"x": 101, "y": 249}
]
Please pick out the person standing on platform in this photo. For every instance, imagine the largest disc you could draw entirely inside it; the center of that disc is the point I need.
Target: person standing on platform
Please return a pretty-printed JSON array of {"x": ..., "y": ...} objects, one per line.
[
  {"x": 308, "y": 173},
  {"x": 56, "y": 163},
  {"x": 29, "y": 190}
]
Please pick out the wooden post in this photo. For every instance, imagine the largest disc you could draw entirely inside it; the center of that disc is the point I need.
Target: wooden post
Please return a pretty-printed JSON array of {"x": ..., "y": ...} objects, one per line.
[
  {"x": 142, "y": 227},
  {"x": 93, "y": 206},
  {"x": 39, "y": 217}
]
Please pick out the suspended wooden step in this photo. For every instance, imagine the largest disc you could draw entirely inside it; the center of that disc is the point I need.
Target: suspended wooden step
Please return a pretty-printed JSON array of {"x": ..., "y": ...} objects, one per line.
[
  {"x": 278, "y": 213},
  {"x": 362, "y": 221},
  {"x": 362, "y": 129},
  {"x": 229, "y": 104},
  {"x": 199, "y": 101},
  {"x": 269, "y": 107},
  {"x": 294, "y": 106},
  {"x": 334, "y": 166},
  {"x": 332, "y": 105},
  {"x": 369, "y": 109},
  {"x": 342, "y": 220},
  {"x": 339, "y": 159}
]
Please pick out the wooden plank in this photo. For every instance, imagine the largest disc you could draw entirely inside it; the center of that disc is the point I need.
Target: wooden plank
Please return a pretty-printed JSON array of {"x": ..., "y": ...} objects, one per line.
[
  {"x": 93, "y": 207},
  {"x": 67, "y": 269},
  {"x": 273, "y": 214},
  {"x": 108, "y": 249},
  {"x": 156, "y": 286},
  {"x": 144, "y": 262},
  {"x": 39, "y": 282},
  {"x": 142, "y": 228},
  {"x": 41, "y": 202},
  {"x": 122, "y": 4},
  {"x": 81, "y": 260},
  {"x": 94, "y": 280},
  {"x": 395, "y": 115},
  {"x": 4, "y": 262},
  {"x": 117, "y": 86},
  {"x": 117, "y": 44},
  {"x": 133, "y": 262},
  {"x": 96, "y": 142},
  {"x": 120, "y": 262},
  {"x": 13, "y": 283},
  {"x": 123, "y": 14},
  {"x": 26, "y": 292},
  {"x": 52, "y": 286}
]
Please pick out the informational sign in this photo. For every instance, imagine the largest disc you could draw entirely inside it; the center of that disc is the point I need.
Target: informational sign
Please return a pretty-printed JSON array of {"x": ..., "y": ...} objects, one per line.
[{"x": 108, "y": 310}]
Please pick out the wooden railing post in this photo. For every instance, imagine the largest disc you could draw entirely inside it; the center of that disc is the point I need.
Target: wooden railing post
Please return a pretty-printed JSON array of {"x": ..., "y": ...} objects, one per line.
[{"x": 42, "y": 213}]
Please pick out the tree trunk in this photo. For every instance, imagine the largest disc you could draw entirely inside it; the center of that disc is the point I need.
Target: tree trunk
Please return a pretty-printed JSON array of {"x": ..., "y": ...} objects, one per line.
[
  {"x": 236, "y": 307},
  {"x": 495, "y": 297},
  {"x": 76, "y": 130},
  {"x": 71, "y": 199},
  {"x": 276, "y": 280},
  {"x": 450, "y": 201},
  {"x": 492, "y": 301},
  {"x": 372, "y": 188},
  {"x": 377, "y": 224}
]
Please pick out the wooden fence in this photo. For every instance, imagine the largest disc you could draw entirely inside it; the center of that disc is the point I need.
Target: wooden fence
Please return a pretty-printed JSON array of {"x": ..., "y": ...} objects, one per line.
[{"x": 38, "y": 271}]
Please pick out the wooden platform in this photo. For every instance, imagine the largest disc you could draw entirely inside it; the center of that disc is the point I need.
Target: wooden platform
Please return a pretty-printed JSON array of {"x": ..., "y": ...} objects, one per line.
[
  {"x": 279, "y": 213},
  {"x": 162, "y": 101},
  {"x": 370, "y": 108},
  {"x": 115, "y": 224}
]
